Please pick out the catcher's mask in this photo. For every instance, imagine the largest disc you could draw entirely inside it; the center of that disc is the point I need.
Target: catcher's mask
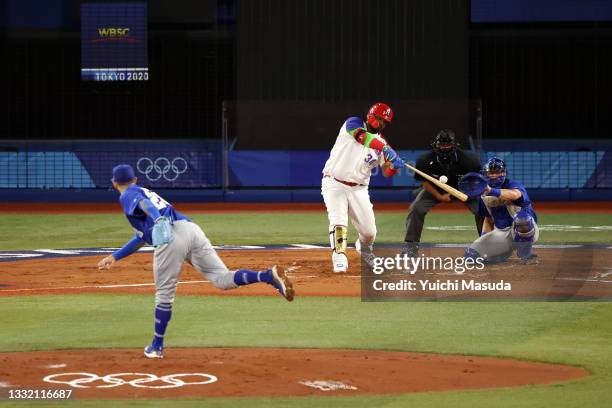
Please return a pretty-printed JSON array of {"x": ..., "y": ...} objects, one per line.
[
  {"x": 445, "y": 144},
  {"x": 495, "y": 169}
]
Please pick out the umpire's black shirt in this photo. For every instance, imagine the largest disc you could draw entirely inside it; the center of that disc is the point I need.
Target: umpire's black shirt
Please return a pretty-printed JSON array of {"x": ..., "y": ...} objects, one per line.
[{"x": 460, "y": 163}]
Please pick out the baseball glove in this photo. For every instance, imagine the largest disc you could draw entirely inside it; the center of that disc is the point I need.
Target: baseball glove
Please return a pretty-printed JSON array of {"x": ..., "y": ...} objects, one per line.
[{"x": 473, "y": 184}]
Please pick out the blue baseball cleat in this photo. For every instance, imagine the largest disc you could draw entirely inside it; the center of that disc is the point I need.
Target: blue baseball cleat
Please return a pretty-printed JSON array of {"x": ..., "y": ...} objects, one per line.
[
  {"x": 152, "y": 352},
  {"x": 282, "y": 283}
]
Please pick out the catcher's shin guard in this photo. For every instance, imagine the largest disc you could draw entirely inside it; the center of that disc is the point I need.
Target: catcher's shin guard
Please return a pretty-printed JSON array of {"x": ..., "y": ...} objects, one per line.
[
  {"x": 338, "y": 239},
  {"x": 523, "y": 235}
]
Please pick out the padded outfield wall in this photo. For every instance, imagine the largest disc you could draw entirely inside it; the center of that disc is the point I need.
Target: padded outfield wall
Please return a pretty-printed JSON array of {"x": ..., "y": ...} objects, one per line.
[{"x": 200, "y": 171}]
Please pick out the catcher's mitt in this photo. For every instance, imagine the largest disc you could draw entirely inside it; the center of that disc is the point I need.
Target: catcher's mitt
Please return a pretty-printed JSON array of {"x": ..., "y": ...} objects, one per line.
[{"x": 473, "y": 184}]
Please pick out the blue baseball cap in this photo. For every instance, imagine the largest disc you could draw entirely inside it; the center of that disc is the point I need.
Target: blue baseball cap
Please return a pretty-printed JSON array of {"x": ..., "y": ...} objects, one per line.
[{"x": 123, "y": 173}]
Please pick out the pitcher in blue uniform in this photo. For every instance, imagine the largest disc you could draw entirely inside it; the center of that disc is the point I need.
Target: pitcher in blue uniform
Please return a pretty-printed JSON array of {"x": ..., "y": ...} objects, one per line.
[
  {"x": 510, "y": 223},
  {"x": 176, "y": 239}
]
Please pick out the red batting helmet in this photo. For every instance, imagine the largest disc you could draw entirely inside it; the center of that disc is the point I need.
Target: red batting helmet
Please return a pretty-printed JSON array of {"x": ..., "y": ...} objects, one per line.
[{"x": 381, "y": 110}]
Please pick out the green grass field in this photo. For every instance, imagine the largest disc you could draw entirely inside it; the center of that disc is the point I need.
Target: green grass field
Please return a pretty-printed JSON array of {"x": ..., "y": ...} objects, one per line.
[
  {"x": 575, "y": 333},
  {"x": 74, "y": 231}
]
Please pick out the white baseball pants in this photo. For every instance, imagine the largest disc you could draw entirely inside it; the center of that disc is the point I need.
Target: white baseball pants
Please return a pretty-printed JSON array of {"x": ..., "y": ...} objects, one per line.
[{"x": 343, "y": 201}]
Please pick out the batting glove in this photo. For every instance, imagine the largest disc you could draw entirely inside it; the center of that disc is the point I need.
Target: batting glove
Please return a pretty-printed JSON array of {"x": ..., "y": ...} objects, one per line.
[
  {"x": 162, "y": 231},
  {"x": 389, "y": 153},
  {"x": 392, "y": 157},
  {"x": 398, "y": 163}
]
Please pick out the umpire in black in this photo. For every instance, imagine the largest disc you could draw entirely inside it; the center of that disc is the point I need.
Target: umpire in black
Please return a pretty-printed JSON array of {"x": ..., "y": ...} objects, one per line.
[{"x": 444, "y": 159}]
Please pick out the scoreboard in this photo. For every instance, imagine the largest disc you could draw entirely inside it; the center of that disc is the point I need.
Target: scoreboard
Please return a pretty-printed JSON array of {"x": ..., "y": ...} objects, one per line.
[{"x": 114, "y": 42}]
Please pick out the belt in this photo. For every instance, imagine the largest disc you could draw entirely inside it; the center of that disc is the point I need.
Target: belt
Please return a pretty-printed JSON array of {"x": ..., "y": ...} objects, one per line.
[{"x": 347, "y": 183}]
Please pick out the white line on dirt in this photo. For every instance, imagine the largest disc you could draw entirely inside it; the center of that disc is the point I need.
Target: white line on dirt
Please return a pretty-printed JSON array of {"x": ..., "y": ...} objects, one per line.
[
  {"x": 5, "y": 255},
  {"x": 134, "y": 285},
  {"x": 58, "y": 251},
  {"x": 585, "y": 280},
  {"x": 605, "y": 274},
  {"x": 127, "y": 285},
  {"x": 306, "y": 246}
]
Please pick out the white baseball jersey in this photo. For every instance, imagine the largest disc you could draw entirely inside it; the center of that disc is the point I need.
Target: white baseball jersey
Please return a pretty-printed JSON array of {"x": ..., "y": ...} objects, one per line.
[{"x": 349, "y": 160}]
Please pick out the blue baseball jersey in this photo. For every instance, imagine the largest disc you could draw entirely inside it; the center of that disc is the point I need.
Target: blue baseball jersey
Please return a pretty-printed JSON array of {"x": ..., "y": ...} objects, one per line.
[
  {"x": 143, "y": 224},
  {"x": 503, "y": 212}
]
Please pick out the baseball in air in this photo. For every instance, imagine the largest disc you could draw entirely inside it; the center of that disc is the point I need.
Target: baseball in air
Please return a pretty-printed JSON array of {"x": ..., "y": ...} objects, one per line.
[{"x": 443, "y": 179}]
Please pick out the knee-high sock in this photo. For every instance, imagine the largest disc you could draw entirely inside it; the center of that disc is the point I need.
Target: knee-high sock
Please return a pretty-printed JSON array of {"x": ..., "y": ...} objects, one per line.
[
  {"x": 246, "y": 277},
  {"x": 163, "y": 313}
]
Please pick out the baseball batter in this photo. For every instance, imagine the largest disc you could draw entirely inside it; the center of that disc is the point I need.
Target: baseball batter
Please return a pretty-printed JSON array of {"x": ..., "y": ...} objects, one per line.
[
  {"x": 176, "y": 239},
  {"x": 509, "y": 219},
  {"x": 359, "y": 148}
]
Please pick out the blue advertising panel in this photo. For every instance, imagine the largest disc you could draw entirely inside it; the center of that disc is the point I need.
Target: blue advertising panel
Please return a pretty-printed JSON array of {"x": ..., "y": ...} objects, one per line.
[{"x": 511, "y": 11}]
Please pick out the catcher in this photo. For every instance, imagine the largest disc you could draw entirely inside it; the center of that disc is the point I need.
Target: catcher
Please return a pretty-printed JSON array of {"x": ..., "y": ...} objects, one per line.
[{"x": 510, "y": 223}]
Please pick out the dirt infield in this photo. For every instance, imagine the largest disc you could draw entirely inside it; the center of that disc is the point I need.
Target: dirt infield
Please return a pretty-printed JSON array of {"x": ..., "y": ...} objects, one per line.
[
  {"x": 123, "y": 373},
  {"x": 266, "y": 372},
  {"x": 578, "y": 273},
  {"x": 577, "y": 207}
]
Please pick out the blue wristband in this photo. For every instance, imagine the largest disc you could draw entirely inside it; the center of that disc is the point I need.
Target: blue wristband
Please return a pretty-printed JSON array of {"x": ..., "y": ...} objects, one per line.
[{"x": 495, "y": 192}]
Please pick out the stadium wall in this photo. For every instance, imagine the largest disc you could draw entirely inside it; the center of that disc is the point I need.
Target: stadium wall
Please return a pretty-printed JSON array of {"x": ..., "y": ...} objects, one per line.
[{"x": 191, "y": 171}]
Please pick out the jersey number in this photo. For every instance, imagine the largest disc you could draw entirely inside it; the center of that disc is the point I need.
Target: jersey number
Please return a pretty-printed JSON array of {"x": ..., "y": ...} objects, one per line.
[{"x": 157, "y": 201}]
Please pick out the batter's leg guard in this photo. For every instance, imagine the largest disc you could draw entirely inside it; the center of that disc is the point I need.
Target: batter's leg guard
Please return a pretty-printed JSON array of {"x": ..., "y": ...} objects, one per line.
[
  {"x": 338, "y": 238},
  {"x": 338, "y": 241}
]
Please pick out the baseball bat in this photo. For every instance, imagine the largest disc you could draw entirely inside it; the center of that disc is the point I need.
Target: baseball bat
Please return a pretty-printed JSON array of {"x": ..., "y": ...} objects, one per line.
[{"x": 450, "y": 190}]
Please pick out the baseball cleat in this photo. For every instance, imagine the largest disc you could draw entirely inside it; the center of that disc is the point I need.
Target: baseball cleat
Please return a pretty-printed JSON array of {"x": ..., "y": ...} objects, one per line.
[
  {"x": 282, "y": 283},
  {"x": 340, "y": 262},
  {"x": 410, "y": 249},
  {"x": 368, "y": 258},
  {"x": 152, "y": 352},
  {"x": 531, "y": 260}
]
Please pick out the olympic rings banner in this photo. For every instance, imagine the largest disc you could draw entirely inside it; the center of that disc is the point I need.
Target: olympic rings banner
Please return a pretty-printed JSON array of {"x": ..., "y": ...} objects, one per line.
[
  {"x": 158, "y": 169},
  {"x": 87, "y": 164}
]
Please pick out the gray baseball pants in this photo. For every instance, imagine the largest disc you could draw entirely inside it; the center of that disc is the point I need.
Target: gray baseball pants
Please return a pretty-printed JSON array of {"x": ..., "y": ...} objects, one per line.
[
  {"x": 498, "y": 244},
  {"x": 189, "y": 244}
]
